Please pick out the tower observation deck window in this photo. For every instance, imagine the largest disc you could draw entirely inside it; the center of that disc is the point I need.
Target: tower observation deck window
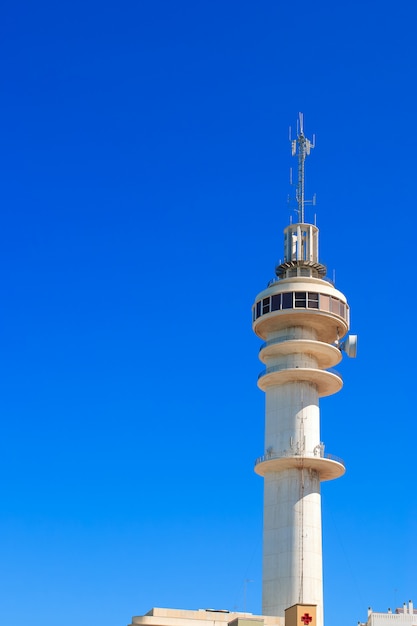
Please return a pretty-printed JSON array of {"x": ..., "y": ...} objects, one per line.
[
  {"x": 335, "y": 306},
  {"x": 300, "y": 300},
  {"x": 324, "y": 302},
  {"x": 265, "y": 305},
  {"x": 313, "y": 300},
  {"x": 276, "y": 302}
]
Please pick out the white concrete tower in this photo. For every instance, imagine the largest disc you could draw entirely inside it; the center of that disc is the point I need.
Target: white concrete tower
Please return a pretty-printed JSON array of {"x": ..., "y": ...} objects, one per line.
[{"x": 301, "y": 317}]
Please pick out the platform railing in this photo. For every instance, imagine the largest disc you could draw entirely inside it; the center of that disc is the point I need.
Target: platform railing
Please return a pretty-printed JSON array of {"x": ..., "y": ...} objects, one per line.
[{"x": 298, "y": 455}]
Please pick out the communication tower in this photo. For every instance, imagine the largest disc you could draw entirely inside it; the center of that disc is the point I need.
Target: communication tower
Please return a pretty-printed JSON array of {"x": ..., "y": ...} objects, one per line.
[{"x": 301, "y": 317}]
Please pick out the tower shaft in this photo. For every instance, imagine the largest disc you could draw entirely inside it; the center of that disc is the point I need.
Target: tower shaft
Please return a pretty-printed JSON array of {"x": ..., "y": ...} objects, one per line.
[{"x": 292, "y": 571}]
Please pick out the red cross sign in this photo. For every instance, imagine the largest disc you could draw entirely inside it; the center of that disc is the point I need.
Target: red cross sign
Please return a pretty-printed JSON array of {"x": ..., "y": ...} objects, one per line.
[{"x": 306, "y": 619}]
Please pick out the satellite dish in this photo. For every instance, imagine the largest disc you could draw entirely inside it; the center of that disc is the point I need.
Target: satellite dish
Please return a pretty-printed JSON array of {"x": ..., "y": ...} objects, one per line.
[{"x": 350, "y": 345}]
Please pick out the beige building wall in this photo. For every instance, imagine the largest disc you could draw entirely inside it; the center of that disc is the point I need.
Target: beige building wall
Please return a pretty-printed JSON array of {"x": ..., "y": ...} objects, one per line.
[
  {"x": 301, "y": 615},
  {"x": 203, "y": 617},
  {"x": 405, "y": 616}
]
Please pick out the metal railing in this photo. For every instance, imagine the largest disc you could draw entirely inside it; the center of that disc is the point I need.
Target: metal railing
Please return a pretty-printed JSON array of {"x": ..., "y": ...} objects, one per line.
[
  {"x": 298, "y": 455},
  {"x": 277, "y": 280}
]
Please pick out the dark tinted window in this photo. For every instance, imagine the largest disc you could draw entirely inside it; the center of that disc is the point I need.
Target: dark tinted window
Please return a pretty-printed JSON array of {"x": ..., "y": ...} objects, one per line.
[
  {"x": 276, "y": 302},
  {"x": 313, "y": 300},
  {"x": 265, "y": 305},
  {"x": 300, "y": 299}
]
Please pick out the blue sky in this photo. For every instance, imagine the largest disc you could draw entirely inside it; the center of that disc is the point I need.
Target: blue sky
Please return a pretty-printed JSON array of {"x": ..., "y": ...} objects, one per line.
[{"x": 144, "y": 176}]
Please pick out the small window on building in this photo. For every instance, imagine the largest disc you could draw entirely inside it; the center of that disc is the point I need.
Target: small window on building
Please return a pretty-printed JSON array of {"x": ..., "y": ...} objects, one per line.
[
  {"x": 334, "y": 306},
  {"x": 287, "y": 300},
  {"x": 313, "y": 300},
  {"x": 258, "y": 309},
  {"x": 265, "y": 305},
  {"x": 276, "y": 302},
  {"x": 300, "y": 299},
  {"x": 324, "y": 302}
]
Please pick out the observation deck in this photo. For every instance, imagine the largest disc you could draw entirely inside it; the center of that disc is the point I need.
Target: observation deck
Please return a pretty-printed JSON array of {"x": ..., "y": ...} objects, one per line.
[
  {"x": 301, "y": 302},
  {"x": 328, "y": 466}
]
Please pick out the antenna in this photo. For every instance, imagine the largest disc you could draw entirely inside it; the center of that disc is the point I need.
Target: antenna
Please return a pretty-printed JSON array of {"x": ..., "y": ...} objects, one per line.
[
  {"x": 245, "y": 582},
  {"x": 301, "y": 148}
]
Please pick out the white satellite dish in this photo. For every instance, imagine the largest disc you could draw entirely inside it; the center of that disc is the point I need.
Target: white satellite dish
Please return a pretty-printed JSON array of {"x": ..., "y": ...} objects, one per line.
[{"x": 350, "y": 345}]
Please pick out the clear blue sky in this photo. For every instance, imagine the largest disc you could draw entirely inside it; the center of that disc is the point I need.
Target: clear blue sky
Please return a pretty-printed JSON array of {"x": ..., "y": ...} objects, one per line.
[{"x": 144, "y": 175}]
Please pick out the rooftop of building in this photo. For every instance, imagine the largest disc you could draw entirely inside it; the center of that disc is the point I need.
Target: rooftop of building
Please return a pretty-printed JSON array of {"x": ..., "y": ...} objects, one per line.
[
  {"x": 404, "y": 616},
  {"x": 208, "y": 617}
]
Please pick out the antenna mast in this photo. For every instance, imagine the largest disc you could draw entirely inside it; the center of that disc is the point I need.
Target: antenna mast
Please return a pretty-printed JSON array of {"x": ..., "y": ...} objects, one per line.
[{"x": 304, "y": 147}]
